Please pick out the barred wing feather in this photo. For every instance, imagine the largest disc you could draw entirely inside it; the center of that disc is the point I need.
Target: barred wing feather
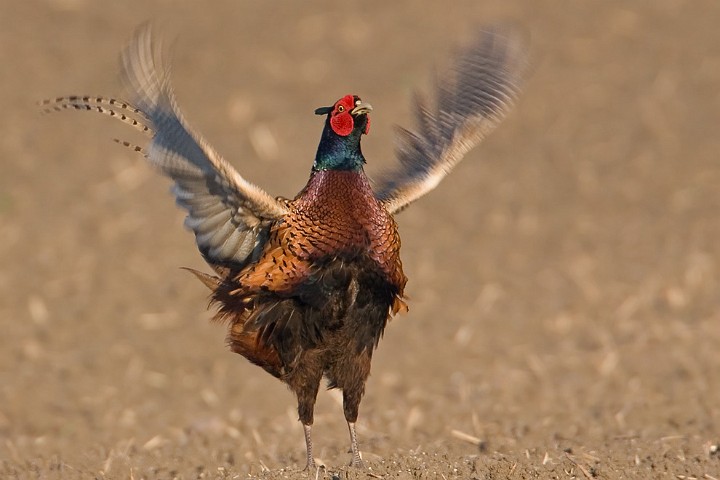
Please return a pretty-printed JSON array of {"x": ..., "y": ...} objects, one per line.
[
  {"x": 229, "y": 215},
  {"x": 471, "y": 99}
]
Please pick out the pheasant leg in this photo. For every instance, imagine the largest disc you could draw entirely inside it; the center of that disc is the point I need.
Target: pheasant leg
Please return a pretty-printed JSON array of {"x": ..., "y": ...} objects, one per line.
[
  {"x": 308, "y": 444},
  {"x": 356, "y": 459}
]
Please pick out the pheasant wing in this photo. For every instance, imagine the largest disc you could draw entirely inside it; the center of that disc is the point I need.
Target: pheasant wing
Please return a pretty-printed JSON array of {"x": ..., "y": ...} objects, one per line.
[
  {"x": 229, "y": 215},
  {"x": 471, "y": 98}
]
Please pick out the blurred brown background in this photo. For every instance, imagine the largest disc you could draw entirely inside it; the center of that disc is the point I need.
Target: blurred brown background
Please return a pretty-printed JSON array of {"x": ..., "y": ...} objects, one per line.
[{"x": 564, "y": 280}]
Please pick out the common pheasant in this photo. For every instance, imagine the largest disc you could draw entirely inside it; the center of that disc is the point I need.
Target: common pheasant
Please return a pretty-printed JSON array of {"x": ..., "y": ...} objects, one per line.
[{"x": 306, "y": 286}]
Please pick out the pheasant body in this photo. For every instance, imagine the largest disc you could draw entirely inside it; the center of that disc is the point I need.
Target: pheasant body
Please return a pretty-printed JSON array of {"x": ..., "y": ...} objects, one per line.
[
  {"x": 336, "y": 214},
  {"x": 307, "y": 285},
  {"x": 335, "y": 253}
]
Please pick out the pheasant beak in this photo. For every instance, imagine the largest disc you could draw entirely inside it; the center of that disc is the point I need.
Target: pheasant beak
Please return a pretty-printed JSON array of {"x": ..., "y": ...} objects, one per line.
[{"x": 361, "y": 108}]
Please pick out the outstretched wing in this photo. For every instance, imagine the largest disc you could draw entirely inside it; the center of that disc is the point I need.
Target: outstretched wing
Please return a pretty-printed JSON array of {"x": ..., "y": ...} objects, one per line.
[
  {"x": 229, "y": 215},
  {"x": 472, "y": 97}
]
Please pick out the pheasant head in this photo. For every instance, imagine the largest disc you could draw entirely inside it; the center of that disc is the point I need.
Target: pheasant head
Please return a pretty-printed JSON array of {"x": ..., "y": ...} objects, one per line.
[{"x": 347, "y": 120}]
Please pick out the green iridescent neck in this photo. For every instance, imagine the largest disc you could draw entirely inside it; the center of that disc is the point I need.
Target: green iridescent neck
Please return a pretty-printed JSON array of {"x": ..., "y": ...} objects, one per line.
[{"x": 336, "y": 152}]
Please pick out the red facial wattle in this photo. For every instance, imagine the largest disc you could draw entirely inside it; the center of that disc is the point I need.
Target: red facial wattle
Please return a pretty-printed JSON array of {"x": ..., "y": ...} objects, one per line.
[{"x": 341, "y": 121}]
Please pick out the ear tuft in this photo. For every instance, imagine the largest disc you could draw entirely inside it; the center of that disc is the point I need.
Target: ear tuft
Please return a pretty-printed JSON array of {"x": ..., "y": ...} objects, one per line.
[{"x": 323, "y": 110}]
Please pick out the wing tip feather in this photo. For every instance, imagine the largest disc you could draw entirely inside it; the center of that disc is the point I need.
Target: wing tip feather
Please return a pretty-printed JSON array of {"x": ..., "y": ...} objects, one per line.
[{"x": 473, "y": 95}]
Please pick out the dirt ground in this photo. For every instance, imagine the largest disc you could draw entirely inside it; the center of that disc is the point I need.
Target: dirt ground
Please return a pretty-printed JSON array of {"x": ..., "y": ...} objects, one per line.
[{"x": 564, "y": 281}]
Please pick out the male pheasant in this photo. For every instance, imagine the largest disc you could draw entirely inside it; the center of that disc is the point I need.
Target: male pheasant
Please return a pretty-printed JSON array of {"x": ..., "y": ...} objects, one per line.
[{"x": 306, "y": 286}]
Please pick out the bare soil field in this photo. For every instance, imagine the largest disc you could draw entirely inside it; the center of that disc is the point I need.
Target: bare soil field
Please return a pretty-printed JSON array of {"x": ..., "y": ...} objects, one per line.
[{"x": 564, "y": 281}]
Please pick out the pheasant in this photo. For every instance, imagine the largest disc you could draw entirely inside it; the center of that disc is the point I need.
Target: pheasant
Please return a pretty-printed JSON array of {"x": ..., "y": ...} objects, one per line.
[{"x": 306, "y": 286}]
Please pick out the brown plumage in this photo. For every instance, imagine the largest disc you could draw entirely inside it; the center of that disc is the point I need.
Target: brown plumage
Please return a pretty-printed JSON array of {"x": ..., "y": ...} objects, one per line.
[{"x": 306, "y": 286}]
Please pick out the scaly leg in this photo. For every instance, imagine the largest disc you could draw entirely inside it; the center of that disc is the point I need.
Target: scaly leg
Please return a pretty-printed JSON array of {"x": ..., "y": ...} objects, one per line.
[
  {"x": 351, "y": 403},
  {"x": 356, "y": 458},
  {"x": 306, "y": 384},
  {"x": 308, "y": 444}
]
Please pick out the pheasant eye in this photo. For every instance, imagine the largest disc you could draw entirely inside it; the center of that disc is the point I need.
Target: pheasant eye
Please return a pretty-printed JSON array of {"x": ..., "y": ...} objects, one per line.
[{"x": 340, "y": 109}]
